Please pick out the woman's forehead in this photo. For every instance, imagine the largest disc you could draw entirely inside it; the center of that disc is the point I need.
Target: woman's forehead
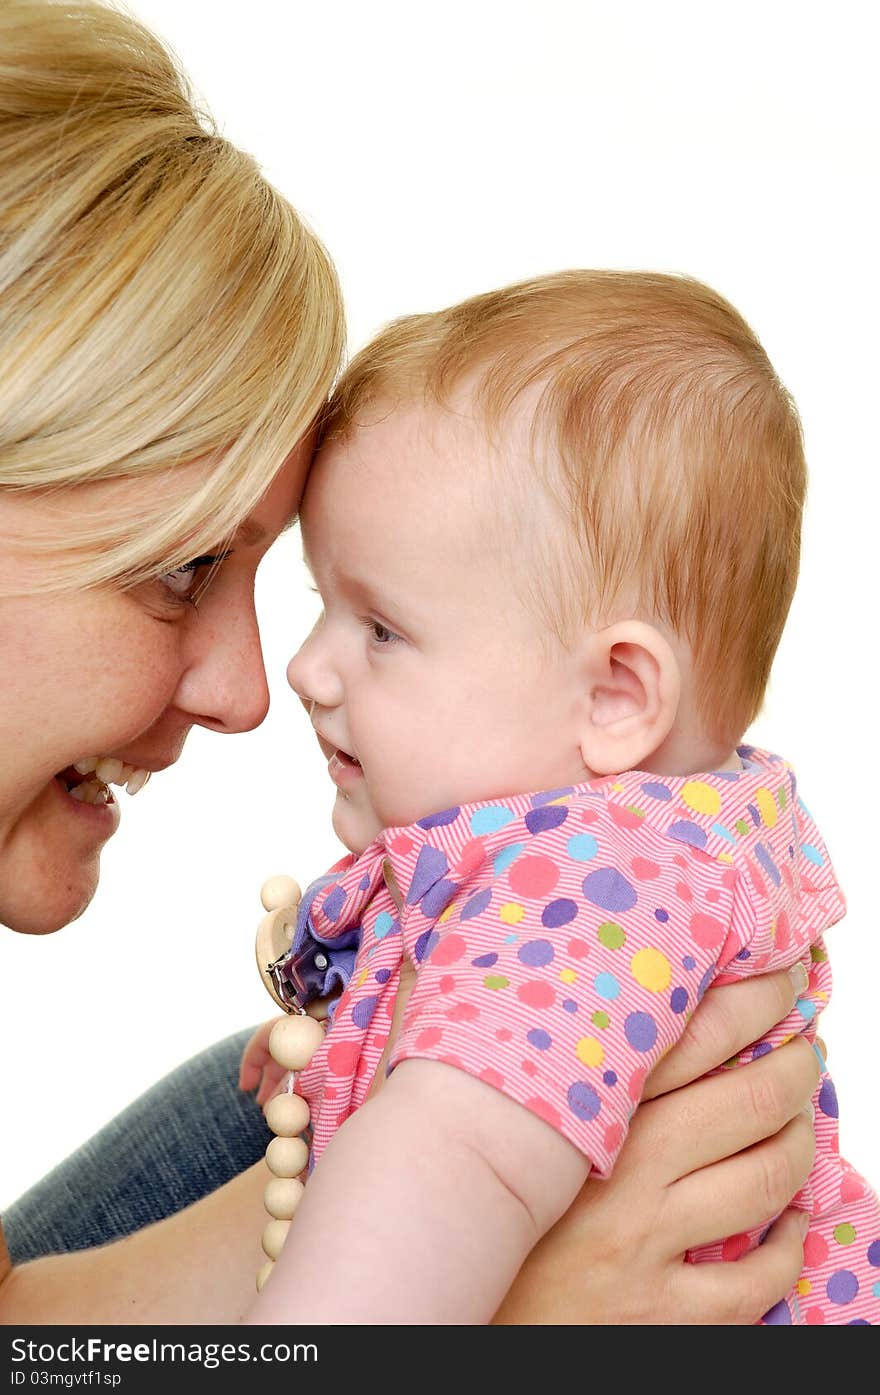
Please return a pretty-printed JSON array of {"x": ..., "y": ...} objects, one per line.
[{"x": 53, "y": 515}]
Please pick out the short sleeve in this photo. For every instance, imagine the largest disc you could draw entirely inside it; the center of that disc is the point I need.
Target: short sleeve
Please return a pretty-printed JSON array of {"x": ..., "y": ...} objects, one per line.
[{"x": 561, "y": 974}]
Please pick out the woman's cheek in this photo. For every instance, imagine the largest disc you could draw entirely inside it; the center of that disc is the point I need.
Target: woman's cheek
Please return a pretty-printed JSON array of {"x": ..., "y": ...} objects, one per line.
[
  {"x": 148, "y": 682},
  {"x": 138, "y": 681}
]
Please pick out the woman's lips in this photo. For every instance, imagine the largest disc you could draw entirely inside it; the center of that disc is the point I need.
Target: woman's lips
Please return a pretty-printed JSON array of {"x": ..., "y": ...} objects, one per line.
[{"x": 344, "y": 770}]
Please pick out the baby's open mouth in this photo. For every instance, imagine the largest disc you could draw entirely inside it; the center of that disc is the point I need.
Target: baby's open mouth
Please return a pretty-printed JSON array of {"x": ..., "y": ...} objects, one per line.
[
  {"x": 344, "y": 769},
  {"x": 89, "y": 780},
  {"x": 345, "y": 759}
]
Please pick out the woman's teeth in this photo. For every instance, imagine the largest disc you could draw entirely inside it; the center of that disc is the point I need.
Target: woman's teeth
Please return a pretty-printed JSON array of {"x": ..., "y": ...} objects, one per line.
[
  {"x": 90, "y": 792},
  {"x": 108, "y": 771}
]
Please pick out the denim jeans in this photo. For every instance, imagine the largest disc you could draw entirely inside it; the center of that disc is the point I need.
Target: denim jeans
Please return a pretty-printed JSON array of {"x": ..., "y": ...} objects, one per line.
[{"x": 186, "y": 1136}]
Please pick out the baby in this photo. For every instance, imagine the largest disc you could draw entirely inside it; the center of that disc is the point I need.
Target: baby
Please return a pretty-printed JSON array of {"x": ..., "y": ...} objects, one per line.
[{"x": 555, "y": 530}]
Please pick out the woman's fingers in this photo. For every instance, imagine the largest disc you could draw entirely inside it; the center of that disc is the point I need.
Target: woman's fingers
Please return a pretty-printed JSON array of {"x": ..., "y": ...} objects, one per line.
[
  {"x": 742, "y": 1291},
  {"x": 713, "y": 1119},
  {"x": 746, "y": 1191},
  {"x": 728, "y": 1019}
]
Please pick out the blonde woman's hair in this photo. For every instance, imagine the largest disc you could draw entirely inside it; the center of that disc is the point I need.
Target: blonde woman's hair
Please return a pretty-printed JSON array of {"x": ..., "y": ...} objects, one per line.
[
  {"x": 656, "y": 417},
  {"x": 160, "y": 302}
]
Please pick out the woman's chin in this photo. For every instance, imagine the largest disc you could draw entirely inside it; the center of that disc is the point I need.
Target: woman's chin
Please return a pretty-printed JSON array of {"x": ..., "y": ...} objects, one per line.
[
  {"x": 54, "y": 897},
  {"x": 50, "y": 860},
  {"x": 45, "y": 919}
]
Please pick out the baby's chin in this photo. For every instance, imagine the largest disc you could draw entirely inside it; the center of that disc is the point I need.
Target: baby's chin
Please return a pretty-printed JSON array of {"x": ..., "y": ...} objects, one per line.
[
  {"x": 357, "y": 824},
  {"x": 355, "y": 828}
]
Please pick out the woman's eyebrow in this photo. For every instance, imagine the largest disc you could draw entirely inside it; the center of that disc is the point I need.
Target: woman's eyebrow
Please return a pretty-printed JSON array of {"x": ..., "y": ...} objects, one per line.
[{"x": 250, "y": 533}]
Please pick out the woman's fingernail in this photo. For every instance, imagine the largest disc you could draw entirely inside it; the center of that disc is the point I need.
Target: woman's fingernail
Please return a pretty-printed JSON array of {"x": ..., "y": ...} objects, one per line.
[
  {"x": 803, "y": 1223},
  {"x": 799, "y": 978}
]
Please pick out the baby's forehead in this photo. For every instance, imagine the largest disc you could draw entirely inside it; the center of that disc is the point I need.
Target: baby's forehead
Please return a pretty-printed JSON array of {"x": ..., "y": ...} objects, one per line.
[
  {"x": 420, "y": 433},
  {"x": 444, "y": 474},
  {"x": 416, "y": 445}
]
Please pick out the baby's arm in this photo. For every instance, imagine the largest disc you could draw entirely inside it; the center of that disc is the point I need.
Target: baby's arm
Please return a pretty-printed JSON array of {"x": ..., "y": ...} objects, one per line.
[{"x": 424, "y": 1206}]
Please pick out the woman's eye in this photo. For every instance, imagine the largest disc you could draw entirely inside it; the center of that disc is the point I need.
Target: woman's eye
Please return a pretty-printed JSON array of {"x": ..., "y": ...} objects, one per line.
[{"x": 182, "y": 581}]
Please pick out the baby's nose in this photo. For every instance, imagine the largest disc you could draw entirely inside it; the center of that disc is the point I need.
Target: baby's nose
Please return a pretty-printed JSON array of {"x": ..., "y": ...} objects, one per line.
[{"x": 313, "y": 677}]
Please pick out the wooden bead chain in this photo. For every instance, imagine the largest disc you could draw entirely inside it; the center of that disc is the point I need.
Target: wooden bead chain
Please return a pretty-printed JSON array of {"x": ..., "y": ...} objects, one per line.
[{"x": 293, "y": 1042}]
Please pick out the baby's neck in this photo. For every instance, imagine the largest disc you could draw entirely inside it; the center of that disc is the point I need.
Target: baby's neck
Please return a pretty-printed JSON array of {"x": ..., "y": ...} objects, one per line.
[{"x": 683, "y": 753}]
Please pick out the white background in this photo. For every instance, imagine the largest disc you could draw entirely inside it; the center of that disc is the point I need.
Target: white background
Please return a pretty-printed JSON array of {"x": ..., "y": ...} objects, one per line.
[{"x": 440, "y": 149}]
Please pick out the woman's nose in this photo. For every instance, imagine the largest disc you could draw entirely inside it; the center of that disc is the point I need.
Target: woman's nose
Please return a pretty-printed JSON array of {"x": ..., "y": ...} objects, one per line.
[
  {"x": 312, "y": 674},
  {"x": 224, "y": 686}
]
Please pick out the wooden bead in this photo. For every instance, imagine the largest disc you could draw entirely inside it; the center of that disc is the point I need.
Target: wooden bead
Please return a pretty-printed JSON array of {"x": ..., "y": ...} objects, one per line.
[
  {"x": 280, "y": 892},
  {"x": 274, "y": 1237},
  {"x": 274, "y": 937},
  {"x": 287, "y": 1115},
  {"x": 282, "y": 1196},
  {"x": 264, "y": 1274},
  {"x": 294, "y": 1040},
  {"x": 287, "y": 1157}
]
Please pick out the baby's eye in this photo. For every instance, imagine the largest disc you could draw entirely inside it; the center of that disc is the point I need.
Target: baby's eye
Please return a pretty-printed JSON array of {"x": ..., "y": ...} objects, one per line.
[
  {"x": 181, "y": 582},
  {"x": 381, "y": 633}
]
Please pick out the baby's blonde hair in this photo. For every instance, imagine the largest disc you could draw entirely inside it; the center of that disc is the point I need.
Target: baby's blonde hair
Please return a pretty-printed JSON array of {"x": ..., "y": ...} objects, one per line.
[
  {"x": 160, "y": 302},
  {"x": 678, "y": 452}
]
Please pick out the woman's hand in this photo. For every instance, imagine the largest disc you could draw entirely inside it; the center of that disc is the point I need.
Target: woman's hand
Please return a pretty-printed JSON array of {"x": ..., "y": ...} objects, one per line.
[{"x": 702, "y": 1162}]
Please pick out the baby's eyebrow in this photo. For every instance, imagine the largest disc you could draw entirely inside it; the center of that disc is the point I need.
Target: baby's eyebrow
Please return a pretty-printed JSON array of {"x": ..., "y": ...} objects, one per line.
[{"x": 361, "y": 591}]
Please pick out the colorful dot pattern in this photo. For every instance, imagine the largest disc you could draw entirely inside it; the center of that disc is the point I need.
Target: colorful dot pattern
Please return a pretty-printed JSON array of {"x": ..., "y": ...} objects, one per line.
[{"x": 561, "y": 942}]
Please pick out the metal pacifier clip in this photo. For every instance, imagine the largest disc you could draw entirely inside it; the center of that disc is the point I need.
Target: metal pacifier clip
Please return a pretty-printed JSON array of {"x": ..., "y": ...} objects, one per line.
[{"x": 292, "y": 1043}]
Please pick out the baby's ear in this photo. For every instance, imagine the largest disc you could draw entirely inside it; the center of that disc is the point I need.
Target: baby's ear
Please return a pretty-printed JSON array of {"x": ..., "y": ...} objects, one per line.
[{"x": 633, "y": 690}]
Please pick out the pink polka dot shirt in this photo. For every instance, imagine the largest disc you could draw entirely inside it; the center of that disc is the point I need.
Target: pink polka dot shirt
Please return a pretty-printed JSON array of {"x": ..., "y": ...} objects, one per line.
[{"x": 561, "y": 941}]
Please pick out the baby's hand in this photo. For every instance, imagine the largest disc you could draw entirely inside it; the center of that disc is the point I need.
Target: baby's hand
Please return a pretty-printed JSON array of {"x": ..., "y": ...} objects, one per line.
[{"x": 258, "y": 1070}]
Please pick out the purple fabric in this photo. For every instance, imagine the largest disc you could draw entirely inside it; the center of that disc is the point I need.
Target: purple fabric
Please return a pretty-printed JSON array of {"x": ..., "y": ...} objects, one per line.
[{"x": 304, "y": 978}]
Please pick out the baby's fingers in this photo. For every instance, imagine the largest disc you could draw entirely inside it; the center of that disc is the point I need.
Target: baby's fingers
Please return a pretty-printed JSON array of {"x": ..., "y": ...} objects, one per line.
[
  {"x": 255, "y": 1057},
  {"x": 273, "y": 1076}
]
